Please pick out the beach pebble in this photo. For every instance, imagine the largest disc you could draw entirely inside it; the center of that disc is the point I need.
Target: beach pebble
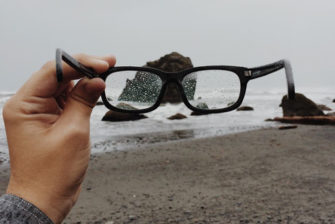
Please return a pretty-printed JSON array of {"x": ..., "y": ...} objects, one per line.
[
  {"x": 109, "y": 222},
  {"x": 177, "y": 116},
  {"x": 245, "y": 108},
  {"x": 187, "y": 212}
]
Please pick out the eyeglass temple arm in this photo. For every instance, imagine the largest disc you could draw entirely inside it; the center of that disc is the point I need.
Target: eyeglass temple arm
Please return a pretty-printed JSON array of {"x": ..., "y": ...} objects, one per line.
[
  {"x": 260, "y": 71},
  {"x": 62, "y": 55}
]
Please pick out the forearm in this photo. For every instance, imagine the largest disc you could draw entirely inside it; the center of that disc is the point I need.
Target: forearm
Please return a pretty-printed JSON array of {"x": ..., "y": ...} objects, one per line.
[{"x": 16, "y": 210}]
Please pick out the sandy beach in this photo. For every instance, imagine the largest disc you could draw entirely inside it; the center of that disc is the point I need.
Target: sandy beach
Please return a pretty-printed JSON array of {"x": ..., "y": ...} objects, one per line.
[{"x": 264, "y": 176}]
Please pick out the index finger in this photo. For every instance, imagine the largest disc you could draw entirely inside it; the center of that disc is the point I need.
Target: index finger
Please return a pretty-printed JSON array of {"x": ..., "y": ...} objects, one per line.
[{"x": 44, "y": 82}]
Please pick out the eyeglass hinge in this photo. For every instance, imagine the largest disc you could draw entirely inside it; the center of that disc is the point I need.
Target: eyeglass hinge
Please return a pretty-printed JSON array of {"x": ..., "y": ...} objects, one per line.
[{"x": 247, "y": 73}]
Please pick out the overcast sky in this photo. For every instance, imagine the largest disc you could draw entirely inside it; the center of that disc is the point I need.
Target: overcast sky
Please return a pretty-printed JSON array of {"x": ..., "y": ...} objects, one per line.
[{"x": 235, "y": 32}]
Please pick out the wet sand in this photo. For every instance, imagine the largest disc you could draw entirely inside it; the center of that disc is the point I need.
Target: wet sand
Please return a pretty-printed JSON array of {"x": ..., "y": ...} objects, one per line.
[{"x": 264, "y": 176}]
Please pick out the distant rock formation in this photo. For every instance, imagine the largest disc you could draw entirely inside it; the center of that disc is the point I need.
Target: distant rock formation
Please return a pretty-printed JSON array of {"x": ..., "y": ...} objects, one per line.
[
  {"x": 300, "y": 106},
  {"x": 146, "y": 83}
]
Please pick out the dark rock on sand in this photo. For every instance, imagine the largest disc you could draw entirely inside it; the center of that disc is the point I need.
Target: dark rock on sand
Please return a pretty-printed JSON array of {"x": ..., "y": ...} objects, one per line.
[
  {"x": 300, "y": 106},
  {"x": 146, "y": 83},
  {"x": 245, "y": 108},
  {"x": 287, "y": 127},
  {"x": 324, "y": 107},
  {"x": 316, "y": 120},
  {"x": 121, "y": 116},
  {"x": 177, "y": 116}
]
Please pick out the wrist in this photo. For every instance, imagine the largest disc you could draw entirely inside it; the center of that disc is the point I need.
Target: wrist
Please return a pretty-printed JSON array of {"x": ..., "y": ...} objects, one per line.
[{"x": 54, "y": 207}]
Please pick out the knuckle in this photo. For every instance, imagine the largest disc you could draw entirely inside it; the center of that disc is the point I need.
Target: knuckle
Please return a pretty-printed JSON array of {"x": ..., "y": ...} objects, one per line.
[
  {"x": 7, "y": 110},
  {"x": 76, "y": 131},
  {"x": 81, "y": 56},
  {"x": 48, "y": 65}
]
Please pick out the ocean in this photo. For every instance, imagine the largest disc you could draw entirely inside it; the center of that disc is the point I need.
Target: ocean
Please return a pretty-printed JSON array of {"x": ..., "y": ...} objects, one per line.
[{"x": 157, "y": 129}]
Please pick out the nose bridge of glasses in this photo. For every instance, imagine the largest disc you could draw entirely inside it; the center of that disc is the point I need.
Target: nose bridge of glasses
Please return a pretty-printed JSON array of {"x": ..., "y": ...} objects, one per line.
[{"x": 173, "y": 77}]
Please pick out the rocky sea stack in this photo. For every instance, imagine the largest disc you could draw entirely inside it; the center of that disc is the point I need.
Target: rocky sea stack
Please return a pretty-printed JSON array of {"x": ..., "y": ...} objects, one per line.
[{"x": 143, "y": 81}]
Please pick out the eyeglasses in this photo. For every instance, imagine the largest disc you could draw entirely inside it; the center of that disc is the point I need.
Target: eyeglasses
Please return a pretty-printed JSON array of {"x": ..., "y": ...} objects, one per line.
[{"x": 205, "y": 89}]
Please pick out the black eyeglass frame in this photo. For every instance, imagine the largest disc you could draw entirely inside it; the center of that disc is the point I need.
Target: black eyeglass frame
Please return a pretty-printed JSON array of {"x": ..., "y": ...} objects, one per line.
[{"x": 244, "y": 74}]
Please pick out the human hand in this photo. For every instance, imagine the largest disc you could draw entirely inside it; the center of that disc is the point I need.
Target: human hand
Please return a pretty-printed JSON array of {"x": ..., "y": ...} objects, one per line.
[{"x": 48, "y": 125}]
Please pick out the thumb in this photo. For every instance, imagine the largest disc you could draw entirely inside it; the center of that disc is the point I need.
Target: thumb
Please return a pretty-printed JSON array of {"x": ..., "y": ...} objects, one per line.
[{"x": 82, "y": 99}]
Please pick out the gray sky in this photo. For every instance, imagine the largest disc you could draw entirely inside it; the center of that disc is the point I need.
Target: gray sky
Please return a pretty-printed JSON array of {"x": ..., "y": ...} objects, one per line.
[{"x": 235, "y": 32}]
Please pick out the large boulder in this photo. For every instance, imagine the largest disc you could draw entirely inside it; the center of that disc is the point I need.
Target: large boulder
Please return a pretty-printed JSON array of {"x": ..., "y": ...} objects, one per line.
[
  {"x": 144, "y": 82},
  {"x": 300, "y": 106}
]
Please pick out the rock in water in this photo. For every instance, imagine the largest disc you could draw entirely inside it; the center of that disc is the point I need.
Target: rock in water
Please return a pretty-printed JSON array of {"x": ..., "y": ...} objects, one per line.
[
  {"x": 300, "y": 106},
  {"x": 203, "y": 106},
  {"x": 333, "y": 100},
  {"x": 177, "y": 116},
  {"x": 245, "y": 108},
  {"x": 145, "y": 87}
]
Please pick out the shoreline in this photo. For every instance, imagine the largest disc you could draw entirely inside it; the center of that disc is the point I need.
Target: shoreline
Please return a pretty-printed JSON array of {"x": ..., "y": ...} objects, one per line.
[
  {"x": 266, "y": 176},
  {"x": 140, "y": 140}
]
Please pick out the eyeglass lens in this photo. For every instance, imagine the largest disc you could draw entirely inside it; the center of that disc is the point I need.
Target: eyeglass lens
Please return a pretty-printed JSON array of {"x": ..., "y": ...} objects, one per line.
[
  {"x": 205, "y": 89},
  {"x": 214, "y": 89},
  {"x": 133, "y": 90}
]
